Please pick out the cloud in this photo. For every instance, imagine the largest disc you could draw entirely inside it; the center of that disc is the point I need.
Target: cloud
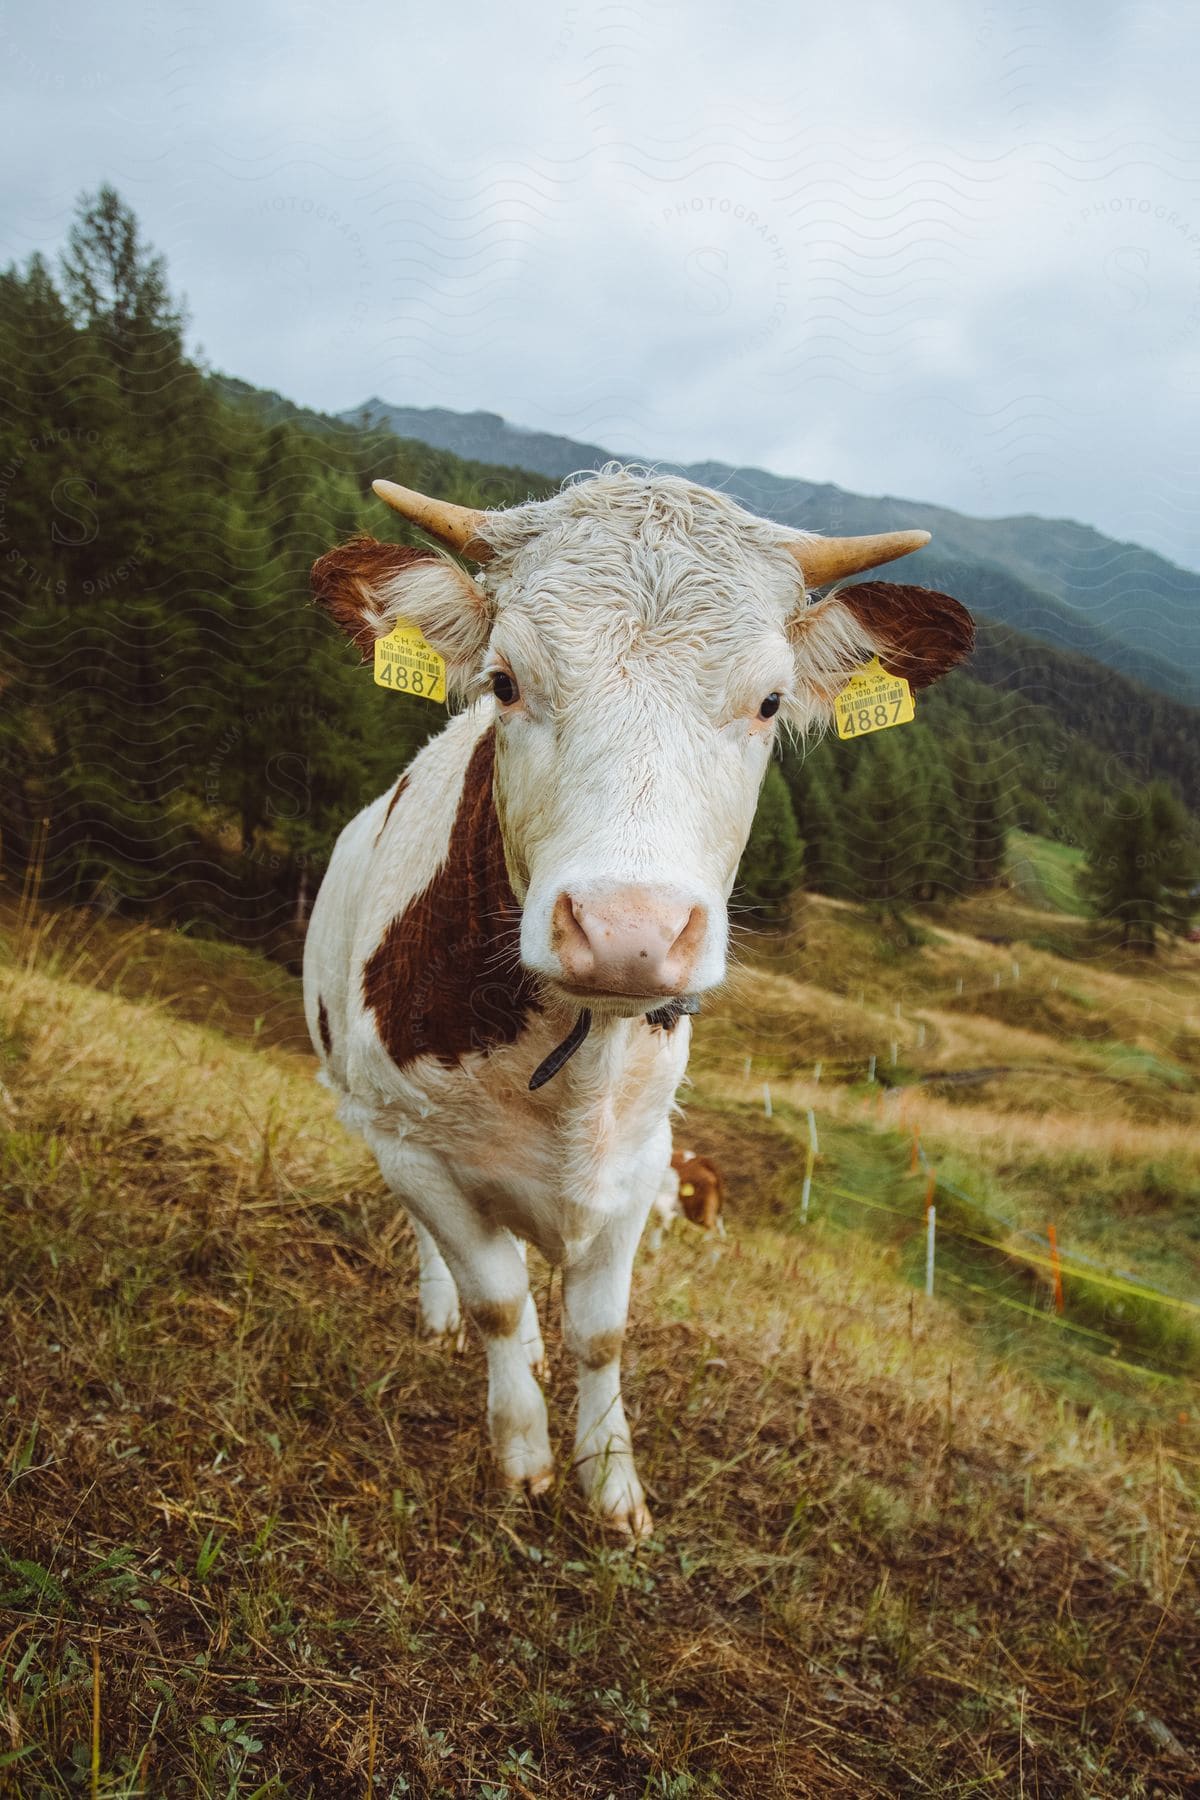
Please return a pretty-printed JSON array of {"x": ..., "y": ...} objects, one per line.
[{"x": 950, "y": 251}]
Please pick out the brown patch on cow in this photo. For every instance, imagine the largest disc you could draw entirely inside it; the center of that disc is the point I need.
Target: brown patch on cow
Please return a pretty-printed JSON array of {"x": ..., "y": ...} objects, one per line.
[
  {"x": 602, "y": 1348},
  {"x": 498, "y": 1318},
  {"x": 921, "y": 634},
  {"x": 400, "y": 787},
  {"x": 342, "y": 582},
  {"x": 445, "y": 979},
  {"x": 323, "y": 1027},
  {"x": 701, "y": 1189}
]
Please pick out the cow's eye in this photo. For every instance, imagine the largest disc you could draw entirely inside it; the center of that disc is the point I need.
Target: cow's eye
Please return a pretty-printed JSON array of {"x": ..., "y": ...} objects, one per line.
[
  {"x": 504, "y": 687},
  {"x": 769, "y": 707}
]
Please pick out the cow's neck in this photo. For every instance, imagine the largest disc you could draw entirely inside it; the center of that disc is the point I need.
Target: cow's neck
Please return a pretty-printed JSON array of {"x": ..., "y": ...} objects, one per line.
[{"x": 446, "y": 978}]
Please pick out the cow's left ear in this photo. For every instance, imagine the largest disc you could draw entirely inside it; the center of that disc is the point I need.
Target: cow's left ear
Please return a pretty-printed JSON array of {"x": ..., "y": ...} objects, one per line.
[
  {"x": 366, "y": 586},
  {"x": 917, "y": 632},
  {"x": 914, "y": 631}
]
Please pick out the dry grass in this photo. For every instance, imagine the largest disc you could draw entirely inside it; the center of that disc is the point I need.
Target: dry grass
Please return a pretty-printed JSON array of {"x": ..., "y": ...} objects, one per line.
[
  {"x": 884, "y": 1563},
  {"x": 1083, "y": 1098}
]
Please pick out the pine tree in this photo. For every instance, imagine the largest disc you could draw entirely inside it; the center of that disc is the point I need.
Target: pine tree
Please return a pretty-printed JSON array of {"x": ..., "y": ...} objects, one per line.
[
  {"x": 1143, "y": 866},
  {"x": 946, "y": 862},
  {"x": 816, "y": 803},
  {"x": 114, "y": 281},
  {"x": 878, "y": 825},
  {"x": 774, "y": 854}
]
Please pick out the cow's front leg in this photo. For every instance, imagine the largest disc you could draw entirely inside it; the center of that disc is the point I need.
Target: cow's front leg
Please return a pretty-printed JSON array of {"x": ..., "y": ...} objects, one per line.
[
  {"x": 487, "y": 1267},
  {"x": 490, "y": 1272},
  {"x": 531, "y": 1328},
  {"x": 595, "y": 1306},
  {"x": 440, "y": 1316}
]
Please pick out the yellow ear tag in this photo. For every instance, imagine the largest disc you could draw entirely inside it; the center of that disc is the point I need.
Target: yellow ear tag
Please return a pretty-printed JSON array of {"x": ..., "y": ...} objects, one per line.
[
  {"x": 872, "y": 700},
  {"x": 405, "y": 663},
  {"x": 686, "y": 1189}
]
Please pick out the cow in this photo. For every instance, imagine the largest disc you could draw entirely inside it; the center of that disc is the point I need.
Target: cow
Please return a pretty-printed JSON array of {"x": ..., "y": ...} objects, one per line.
[
  {"x": 506, "y": 950},
  {"x": 701, "y": 1190},
  {"x": 691, "y": 1188}
]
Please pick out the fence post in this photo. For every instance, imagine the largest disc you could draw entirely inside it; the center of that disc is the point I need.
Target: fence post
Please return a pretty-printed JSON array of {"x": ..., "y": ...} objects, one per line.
[
  {"x": 806, "y": 1190},
  {"x": 1056, "y": 1268},
  {"x": 766, "y": 1100},
  {"x": 930, "y": 1235},
  {"x": 871, "y": 1070}
]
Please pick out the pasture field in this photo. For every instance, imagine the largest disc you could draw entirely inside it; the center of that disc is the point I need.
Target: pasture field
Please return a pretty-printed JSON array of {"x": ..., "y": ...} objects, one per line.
[
  {"x": 1044, "y": 872},
  {"x": 250, "y": 1544}
]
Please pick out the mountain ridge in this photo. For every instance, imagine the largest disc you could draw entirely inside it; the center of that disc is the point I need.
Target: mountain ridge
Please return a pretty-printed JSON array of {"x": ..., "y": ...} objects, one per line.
[{"x": 1057, "y": 579}]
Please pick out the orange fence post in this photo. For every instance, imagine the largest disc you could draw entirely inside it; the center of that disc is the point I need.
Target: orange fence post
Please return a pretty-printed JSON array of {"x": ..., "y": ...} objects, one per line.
[
  {"x": 931, "y": 1189},
  {"x": 1056, "y": 1267}
]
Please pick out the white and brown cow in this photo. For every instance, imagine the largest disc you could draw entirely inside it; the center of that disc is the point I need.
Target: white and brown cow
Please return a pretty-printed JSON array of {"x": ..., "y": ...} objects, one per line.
[
  {"x": 690, "y": 1187},
  {"x": 559, "y": 857}
]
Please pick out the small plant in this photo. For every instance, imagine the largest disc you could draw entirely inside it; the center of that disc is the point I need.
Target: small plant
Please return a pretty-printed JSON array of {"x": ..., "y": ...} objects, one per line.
[{"x": 209, "y": 1554}]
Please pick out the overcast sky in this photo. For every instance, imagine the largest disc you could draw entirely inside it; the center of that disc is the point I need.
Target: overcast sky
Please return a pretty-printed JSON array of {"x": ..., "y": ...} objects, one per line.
[{"x": 947, "y": 249}]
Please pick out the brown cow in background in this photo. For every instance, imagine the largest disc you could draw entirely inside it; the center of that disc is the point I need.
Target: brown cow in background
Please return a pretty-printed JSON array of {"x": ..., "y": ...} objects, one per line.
[{"x": 691, "y": 1186}]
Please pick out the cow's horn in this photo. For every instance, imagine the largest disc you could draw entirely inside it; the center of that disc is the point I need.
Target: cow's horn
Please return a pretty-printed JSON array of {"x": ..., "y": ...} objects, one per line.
[
  {"x": 825, "y": 559},
  {"x": 457, "y": 527}
]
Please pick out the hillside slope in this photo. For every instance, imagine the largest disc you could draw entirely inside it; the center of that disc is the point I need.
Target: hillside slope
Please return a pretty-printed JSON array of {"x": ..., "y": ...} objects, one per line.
[{"x": 885, "y": 1561}]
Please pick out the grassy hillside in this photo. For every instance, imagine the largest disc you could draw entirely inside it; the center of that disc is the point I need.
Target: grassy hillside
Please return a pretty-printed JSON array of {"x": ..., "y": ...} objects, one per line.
[
  {"x": 251, "y": 1541},
  {"x": 1044, "y": 873}
]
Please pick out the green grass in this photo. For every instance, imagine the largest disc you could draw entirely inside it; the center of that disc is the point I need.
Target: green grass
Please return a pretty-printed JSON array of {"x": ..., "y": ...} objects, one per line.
[
  {"x": 1044, "y": 873},
  {"x": 1126, "y": 1350},
  {"x": 1133, "y": 1064}
]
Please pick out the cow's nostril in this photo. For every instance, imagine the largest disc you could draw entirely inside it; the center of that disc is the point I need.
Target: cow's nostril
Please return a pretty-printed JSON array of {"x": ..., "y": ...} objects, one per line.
[
  {"x": 692, "y": 936},
  {"x": 630, "y": 940},
  {"x": 567, "y": 935}
]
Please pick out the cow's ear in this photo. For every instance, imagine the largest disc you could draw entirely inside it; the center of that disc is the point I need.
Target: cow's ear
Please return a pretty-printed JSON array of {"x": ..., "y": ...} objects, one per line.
[
  {"x": 365, "y": 586},
  {"x": 914, "y": 631}
]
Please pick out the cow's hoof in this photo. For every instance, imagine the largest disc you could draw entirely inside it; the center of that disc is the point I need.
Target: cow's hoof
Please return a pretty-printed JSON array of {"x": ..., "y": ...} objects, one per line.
[
  {"x": 527, "y": 1481},
  {"x": 532, "y": 1344},
  {"x": 525, "y": 1461},
  {"x": 618, "y": 1499},
  {"x": 631, "y": 1521},
  {"x": 452, "y": 1341},
  {"x": 441, "y": 1321}
]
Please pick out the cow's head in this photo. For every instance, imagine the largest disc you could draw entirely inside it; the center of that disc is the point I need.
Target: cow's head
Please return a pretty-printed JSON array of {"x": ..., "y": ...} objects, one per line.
[{"x": 641, "y": 640}]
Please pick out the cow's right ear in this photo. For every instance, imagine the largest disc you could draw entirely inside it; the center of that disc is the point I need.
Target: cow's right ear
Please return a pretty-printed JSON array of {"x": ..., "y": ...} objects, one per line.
[{"x": 366, "y": 586}]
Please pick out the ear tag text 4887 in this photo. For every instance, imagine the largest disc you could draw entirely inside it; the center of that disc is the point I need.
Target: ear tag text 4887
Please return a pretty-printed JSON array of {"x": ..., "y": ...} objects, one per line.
[
  {"x": 872, "y": 700},
  {"x": 407, "y": 664}
]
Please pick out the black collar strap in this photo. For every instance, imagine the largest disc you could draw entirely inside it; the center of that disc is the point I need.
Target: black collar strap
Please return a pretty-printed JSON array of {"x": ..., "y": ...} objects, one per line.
[
  {"x": 565, "y": 1051},
  {"x": 663, "y": 1018}
]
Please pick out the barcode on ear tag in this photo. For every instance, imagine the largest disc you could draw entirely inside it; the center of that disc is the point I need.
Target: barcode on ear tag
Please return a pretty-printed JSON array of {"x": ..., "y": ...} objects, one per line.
[
  {"x": 872, "y": 700},
  {"x": 407, "y": 664}
]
